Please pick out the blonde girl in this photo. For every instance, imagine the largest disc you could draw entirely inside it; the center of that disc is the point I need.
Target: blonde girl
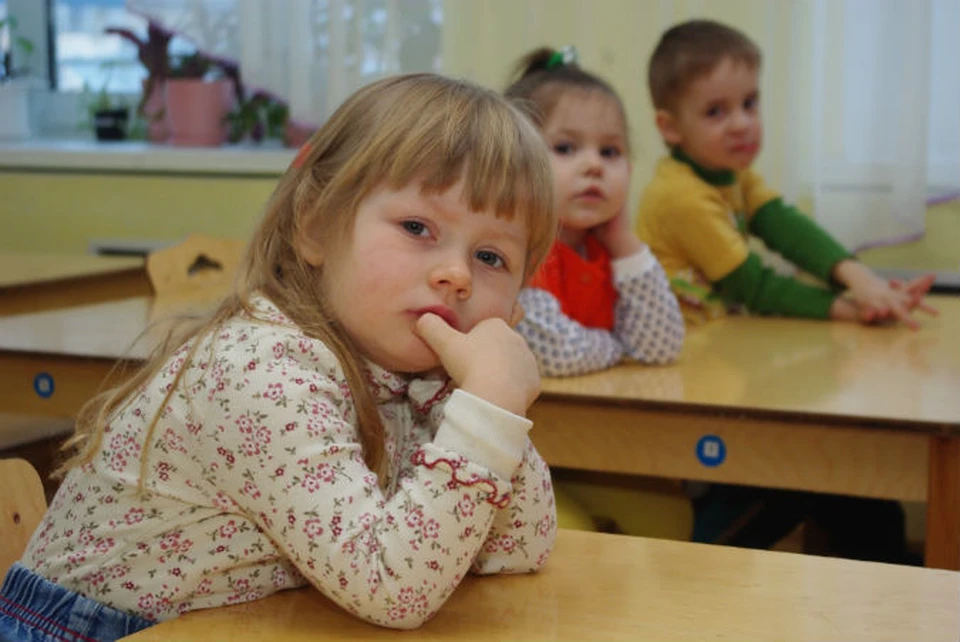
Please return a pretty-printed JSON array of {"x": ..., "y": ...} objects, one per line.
[{"x": 351, "y": 417}]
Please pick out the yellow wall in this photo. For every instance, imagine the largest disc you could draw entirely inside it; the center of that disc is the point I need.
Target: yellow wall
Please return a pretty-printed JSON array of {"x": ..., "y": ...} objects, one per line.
[
  {"x": 61, "y": 212},
  {"x": 483, "y": 41}
]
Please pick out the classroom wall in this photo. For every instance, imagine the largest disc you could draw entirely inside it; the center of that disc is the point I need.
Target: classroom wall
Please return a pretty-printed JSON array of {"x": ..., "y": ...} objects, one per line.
[
  {"x": 483, "y": 40},
  {"x": 61, "y": 212}
]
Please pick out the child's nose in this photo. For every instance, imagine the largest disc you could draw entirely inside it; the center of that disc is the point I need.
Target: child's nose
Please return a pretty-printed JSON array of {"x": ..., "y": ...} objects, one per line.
[
  {"x": 452, "y": 275},
  {"x": 742, "y": 119},
  {"x": 592, "y": 161}
]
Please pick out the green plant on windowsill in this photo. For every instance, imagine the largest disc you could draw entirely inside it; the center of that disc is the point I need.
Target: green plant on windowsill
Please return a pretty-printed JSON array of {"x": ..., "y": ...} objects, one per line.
[
  {"x": 14, "y": 43},
  {"x": 106, "y": 115},
  {"x": 259, "y": 118}
]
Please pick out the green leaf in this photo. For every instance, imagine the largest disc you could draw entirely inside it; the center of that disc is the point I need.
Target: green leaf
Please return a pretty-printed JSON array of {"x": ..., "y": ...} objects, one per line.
[{"x": 25, "y": 44}]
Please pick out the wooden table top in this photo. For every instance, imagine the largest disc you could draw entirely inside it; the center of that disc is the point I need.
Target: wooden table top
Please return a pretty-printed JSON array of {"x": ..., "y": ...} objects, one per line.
[
  {"x": 609, "y": 587},
  {"x": 102, "y": 330},
  {"x": 887, "y": 374},
  {"x": 31, "y": 268},
  {"x": 881, "y": 374}
]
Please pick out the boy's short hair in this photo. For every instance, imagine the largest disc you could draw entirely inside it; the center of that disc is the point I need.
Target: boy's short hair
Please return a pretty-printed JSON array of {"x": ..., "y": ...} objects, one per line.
[{"x": 689, "y": 50}]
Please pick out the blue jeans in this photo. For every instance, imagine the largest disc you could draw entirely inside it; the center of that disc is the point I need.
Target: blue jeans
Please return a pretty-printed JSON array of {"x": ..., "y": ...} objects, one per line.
[{"x": 34, "y": 609}]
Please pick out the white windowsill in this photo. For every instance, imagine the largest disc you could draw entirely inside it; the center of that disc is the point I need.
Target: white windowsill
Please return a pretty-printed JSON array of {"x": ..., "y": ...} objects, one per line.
[{"x": 88, "y": 155}]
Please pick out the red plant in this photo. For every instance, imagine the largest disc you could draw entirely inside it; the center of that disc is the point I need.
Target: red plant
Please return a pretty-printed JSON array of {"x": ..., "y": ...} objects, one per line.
[{"x": 152, "y": 53}]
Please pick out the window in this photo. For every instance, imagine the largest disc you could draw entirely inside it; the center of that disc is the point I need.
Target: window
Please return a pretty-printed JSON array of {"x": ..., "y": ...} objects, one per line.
[
  {"x": 310, "y": 53},
  {"x": 86, "y": 57}
]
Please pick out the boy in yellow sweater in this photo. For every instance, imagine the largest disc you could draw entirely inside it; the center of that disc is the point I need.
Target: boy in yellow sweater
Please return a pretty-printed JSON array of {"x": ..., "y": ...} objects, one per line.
[
  {"x": 704, "y": 200},
  {"x": 696, "y": 216}
]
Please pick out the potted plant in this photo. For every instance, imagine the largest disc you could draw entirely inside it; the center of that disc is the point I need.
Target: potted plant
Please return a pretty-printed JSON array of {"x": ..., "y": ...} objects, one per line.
[
  {"x": 107, "y": 117},
  {"x": 14, "y": 94},
  {"x": 153, "y": 53},
  {"x": 200, "y": 92},
  {"x": 260, "y": 117}
]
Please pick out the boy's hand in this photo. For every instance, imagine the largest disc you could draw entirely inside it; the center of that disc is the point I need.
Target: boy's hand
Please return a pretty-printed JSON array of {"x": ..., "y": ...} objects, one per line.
[
  {"x": 491, "y": 361},
  {"x": 844, "y": 310},
  {"x": 879, "y": 300},
  {"x": 617, "y": 237},
  {"x": 916, "y": 290}
]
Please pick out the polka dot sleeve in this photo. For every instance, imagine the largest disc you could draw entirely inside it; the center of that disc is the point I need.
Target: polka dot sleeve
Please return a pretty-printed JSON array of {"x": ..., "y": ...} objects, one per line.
[
  {"x": 563, "y": 347},
  {"x": 648, "y": 324}
]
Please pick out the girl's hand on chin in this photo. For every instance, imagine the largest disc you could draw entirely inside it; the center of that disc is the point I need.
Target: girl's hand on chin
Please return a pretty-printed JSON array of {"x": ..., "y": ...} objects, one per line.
[
  {"x": 617, "y": 237},
  {"x": 490, "y": 361}
]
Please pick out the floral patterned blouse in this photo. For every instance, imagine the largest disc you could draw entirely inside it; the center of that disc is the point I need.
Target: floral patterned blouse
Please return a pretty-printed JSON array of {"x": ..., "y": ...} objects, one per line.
[{"x": 254, "y": 482}]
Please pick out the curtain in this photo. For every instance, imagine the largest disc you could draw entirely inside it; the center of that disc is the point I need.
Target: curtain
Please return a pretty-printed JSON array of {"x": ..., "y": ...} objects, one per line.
[
  {"x": 883, "y": 134},
  {"x": 310, "y": 53},
  {"x": 861, "y": 98}
]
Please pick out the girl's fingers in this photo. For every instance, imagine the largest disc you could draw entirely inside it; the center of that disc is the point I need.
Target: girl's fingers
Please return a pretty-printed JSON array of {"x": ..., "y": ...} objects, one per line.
[{"x": 516, "y": 315}]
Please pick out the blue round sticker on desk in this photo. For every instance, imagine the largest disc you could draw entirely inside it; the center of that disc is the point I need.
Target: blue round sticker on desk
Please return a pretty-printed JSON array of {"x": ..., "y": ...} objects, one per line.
[
  {"x": 711, "y": 451},
  {"x": 43, "y": 385}
]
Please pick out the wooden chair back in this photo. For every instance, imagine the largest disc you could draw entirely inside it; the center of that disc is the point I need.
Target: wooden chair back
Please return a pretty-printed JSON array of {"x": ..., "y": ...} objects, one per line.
[
  {"x": 22, "y": 504},
  {"x": 198, "y": 261}
]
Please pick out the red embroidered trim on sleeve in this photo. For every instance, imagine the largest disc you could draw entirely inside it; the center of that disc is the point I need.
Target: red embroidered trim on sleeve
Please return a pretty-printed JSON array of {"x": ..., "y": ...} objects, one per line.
[{"x": 419, "y": 458}]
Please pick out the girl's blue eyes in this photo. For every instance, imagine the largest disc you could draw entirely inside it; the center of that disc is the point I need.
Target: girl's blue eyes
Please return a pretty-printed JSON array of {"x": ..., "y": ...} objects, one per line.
[
  {"x": 563, "y": 148},
  {"x": 491, "y": 258},
  {"x": 416, "y": 228}
]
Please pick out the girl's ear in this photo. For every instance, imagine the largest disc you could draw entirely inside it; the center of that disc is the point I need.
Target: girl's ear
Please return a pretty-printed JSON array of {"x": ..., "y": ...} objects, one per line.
[{"x": 669, "y": 130}]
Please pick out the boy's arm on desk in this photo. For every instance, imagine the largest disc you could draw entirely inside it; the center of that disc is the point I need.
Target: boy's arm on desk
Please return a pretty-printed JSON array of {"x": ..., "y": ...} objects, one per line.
[
  {"x": 786, "y": 230},
  {"x": 764, "y": 291}
]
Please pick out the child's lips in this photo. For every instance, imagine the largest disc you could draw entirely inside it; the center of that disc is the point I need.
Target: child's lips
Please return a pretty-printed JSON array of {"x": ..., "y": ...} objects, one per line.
[
  {"x": 591, "y": 194},
  {"x": 745, "y": 148},
  {"x": 443, "y": 312}
]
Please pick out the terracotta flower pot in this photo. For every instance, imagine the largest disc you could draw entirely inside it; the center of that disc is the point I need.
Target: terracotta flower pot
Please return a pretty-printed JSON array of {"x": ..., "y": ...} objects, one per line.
[{"x": 196, "y": 111}]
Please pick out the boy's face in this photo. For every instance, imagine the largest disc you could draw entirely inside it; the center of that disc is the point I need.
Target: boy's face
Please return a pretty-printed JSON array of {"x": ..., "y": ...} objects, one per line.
[
  {"x": 717, "y": 120},
  {"x": 412, "y": 253},
  {"x": 591, "y": 172}
]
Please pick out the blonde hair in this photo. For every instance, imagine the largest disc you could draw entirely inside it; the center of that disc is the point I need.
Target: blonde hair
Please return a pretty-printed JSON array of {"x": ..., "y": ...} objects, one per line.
[
  {"x": 690, "y": 50},
  {"x": 394, "y": 131}
]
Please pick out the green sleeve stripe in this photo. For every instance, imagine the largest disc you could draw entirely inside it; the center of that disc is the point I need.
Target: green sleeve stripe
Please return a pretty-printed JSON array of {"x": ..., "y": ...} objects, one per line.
[
  {"x": 798, "y": 238},
  {"x": 764, "y": 291}
]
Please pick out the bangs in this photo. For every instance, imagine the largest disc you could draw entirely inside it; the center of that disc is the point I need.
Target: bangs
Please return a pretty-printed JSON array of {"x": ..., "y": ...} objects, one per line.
[{"x": 439, "y": 137}]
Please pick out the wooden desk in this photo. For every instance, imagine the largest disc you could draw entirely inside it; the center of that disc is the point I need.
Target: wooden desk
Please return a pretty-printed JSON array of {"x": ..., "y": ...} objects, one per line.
[
  {"x": 780, "y": 403},
  {"x": 806, "y": 405},
  {"x": 609, "y": 587},
  {"x": 30, "y": 282}
]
